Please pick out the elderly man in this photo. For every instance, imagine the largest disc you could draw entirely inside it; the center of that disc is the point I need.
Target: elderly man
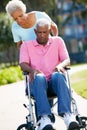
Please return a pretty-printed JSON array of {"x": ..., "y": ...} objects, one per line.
[{"x": 45, "y": 59}]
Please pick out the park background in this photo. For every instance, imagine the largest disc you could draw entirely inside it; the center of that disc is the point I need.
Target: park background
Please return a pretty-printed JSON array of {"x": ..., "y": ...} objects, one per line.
[{"x": 71, "y": 18}]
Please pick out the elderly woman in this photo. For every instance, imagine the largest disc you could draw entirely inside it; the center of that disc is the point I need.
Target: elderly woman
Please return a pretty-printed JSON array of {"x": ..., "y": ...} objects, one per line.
[{"x": 24, "y": 23}]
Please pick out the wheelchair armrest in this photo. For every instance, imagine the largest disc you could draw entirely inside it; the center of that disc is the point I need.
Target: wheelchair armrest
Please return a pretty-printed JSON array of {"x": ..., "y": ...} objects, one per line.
[
  {"x": 67, "y": 68},
  {"x": 25, "y": 73}
]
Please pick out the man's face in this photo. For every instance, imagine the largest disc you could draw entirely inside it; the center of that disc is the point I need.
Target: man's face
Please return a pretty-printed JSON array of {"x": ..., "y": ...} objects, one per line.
[{"x": 42, "y": 34}]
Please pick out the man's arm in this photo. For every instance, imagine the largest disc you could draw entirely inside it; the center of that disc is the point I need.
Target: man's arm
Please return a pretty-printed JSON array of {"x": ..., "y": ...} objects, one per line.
[
  {"x": 26, "y": 68},
  {"x": 19, "y": 44},
  {"x": 64, "y": 59}
]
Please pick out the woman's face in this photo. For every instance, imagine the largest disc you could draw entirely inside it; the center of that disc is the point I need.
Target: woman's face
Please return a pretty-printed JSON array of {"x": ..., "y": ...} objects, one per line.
[{"x": 19, "y": 16}]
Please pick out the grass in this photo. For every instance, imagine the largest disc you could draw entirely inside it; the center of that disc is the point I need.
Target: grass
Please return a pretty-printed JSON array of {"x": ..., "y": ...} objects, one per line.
[{"x": 79, "y": 83}]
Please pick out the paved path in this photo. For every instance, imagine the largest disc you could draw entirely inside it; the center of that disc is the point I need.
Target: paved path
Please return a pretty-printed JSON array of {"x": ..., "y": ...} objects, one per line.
[{"x": 12, "y": 112}]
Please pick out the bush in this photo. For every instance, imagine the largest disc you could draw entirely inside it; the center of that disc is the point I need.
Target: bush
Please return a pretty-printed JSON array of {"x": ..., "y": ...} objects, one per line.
[
  {"x": 8, "y": 50},
  {"x": 10, "y": 75}
]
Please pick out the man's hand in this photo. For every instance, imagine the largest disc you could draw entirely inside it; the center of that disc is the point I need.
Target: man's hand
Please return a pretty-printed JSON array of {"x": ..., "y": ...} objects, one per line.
[
  {"x": 62, "y": 65},
  {"x": 32, "y": 75},
  {"x": 59, "y": 68}
]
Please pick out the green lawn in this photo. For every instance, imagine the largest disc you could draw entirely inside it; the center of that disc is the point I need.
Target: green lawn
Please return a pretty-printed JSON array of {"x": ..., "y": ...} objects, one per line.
[{"x": 79, "y": 83}]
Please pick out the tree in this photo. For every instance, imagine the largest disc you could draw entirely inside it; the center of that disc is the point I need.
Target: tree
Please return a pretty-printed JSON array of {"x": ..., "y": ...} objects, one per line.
[{"x": 8, "y": 50}]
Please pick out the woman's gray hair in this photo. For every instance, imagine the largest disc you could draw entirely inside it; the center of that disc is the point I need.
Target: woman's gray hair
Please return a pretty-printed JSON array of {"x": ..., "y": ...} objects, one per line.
[
  {"x": 13, "y": 5},
  {"x": 43, "y": 22}
]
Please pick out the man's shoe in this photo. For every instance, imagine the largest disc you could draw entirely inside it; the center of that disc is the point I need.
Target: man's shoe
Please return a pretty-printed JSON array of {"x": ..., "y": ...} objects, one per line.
[
  {"x": 45, "y": 123},
  {"x": 70, "y": 121}
]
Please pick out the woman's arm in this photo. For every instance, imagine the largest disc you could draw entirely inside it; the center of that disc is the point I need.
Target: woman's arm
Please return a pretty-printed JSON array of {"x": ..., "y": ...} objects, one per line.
[
  {"x": 19, "y": 44},
  {"x": 54, "y": 29}
]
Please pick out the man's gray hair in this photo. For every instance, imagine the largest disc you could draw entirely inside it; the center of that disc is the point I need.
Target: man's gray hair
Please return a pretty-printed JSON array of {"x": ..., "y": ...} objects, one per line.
[
  {"x": 13, "y": 5},
  {"x": 43, "y": 22}
]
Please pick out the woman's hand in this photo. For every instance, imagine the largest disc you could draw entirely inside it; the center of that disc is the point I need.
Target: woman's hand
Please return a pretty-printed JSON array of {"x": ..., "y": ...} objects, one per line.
[{"x": 54, "y": 29}]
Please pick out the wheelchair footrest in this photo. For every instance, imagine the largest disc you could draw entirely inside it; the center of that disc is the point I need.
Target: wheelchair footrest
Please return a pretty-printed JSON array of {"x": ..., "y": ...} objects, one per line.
[{"x": 52, "y": 118}]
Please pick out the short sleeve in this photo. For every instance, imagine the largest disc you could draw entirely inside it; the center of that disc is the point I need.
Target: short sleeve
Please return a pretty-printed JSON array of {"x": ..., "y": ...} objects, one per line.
[
  {"x": 42, "y": 15},
  {"x": 24, "y": 54},
  {"x": 16, "y": 37},
  {"x": 63, "y": 52},
  {"x": 46, "y": 16}
]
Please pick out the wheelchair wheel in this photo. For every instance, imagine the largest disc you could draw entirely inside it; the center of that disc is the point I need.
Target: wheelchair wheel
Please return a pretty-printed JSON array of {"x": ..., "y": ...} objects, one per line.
[
  {"x": 82, "y": 122},
  {"x": 25, "y": 127},
  {"x": 22, "y": 127}
]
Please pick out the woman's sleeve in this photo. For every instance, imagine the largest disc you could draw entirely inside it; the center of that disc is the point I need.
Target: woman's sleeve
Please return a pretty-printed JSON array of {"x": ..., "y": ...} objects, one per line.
[
  {"x": 47, "y": 16},
  {"x": 16, "y": 37},
  {"x": 42, "y": 15}
]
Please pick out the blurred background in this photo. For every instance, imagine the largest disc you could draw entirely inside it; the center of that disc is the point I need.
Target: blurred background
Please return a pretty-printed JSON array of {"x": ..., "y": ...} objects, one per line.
[{"x": 70, "y": 17}]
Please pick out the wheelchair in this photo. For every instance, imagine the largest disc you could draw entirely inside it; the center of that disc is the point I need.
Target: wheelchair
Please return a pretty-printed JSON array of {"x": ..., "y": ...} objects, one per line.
[{"x": 31, "y": 118}]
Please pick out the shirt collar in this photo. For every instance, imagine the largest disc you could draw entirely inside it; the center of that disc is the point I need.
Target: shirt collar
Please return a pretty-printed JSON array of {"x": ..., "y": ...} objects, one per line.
[{"x": 37, "y": 44}]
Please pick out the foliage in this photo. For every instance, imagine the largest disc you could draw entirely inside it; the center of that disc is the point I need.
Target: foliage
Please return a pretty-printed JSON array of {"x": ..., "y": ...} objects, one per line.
[
  {"x": 79, "y": 83},
  {"x": 37, "y": 4},
  {"x": 8, "y": 50},
  {"x": 10, "y": 75},
  {"x": 5, "y": 27},
  {"x": 2, "y": 5}
]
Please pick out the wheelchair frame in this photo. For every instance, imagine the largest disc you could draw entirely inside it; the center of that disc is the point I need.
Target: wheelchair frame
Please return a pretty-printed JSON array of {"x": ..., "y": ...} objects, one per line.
[{"x": 31, "y": 120}]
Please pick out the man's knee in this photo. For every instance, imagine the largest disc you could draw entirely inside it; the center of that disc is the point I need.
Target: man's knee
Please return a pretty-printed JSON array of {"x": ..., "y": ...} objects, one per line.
[
  {"x": 40, "y": 81},
  {"x": 58, "y": 75},
  {"x": 40, "y": 76}
]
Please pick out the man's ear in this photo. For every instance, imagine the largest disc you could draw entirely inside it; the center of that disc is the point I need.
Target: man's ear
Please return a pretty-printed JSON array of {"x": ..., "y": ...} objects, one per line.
[
  {"x": 50, "y": 31},
  {"x": 35, "y": 31}
]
